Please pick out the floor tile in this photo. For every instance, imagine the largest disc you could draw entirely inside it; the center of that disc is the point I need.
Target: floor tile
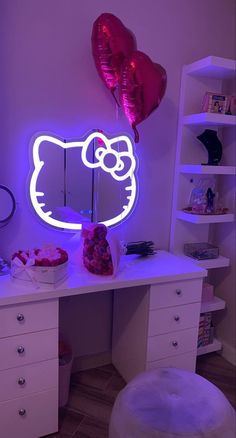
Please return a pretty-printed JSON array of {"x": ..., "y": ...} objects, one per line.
[
  {"x": 96, "y": 377},
  {"x": 58, "y": 435},
  {"x": 91, "y": 428},
  {"x": 114, "y": 386},
  {"x": 221, "y": 373},
  {"x": 108, "y": 368},
  {"x": 90, "y": 402},
  {"x": 69, "y": 421}
]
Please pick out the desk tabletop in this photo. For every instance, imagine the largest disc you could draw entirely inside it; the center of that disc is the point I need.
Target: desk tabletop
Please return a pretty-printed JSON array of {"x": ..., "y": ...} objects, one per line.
[{"x": 133, "y": 271}]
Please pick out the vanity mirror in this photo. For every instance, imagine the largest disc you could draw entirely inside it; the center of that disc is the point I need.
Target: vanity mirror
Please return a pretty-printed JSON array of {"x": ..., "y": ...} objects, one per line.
[
  {"x": 7, "y": 205},
  {"x": 93, "y": 179}
]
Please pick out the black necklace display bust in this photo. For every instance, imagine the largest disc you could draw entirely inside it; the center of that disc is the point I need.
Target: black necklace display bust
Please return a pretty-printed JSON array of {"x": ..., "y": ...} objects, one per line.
[{"x": 213, "y": 145}]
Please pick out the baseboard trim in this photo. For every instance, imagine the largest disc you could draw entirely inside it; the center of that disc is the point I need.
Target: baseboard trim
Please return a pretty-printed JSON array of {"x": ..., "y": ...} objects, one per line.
[
  {"x": 228, "y": 353},
  {"x": 91, "y": 361}
]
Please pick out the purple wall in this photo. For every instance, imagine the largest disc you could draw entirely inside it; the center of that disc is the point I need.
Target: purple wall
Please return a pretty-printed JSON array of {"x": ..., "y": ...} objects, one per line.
[{"x": 48, "y": 81}]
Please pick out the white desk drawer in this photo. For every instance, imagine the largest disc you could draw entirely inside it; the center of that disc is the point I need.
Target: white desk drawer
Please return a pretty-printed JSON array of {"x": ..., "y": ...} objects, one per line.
[
  {"x": 24, "y": 349},
  {"x": 40, "y": 415},
  {"x": 176, "y": 293},
  {"x": 171, "y": 344},
  {"x": 22, "y": 381},
  {"x": 173, "y": 318},
  {"x": 185, "y": 361},
  {"x": 26, "y": 318}
]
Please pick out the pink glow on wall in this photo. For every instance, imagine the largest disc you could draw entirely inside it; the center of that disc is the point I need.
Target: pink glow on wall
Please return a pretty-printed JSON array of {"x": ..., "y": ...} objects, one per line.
[{"x": 48, "y": 79}]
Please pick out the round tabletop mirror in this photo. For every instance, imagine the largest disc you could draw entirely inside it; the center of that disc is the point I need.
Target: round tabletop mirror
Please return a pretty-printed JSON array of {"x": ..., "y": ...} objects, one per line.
[{"x": 7, "y": 204}]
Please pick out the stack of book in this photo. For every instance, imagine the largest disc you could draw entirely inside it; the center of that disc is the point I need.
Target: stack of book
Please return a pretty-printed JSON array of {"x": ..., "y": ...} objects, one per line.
[{"x": 206, "y": 329}]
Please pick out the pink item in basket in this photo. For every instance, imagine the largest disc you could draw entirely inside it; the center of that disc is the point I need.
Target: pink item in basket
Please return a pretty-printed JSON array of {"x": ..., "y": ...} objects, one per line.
[
  {"x": 49, "y": 255},
  {"x": 100, "y": 250},
  {"x": 207, "y": 292}
]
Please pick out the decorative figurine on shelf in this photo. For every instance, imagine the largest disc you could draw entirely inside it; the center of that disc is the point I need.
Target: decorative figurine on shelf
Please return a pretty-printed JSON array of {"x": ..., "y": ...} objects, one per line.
[
  {"x": 198, "y": 201},
  {"x": 231, "y": 108},
  {"x": 203, "y": 197},
  {"x": 210, "y": 201},
  {"x": 213, "y": 145}
]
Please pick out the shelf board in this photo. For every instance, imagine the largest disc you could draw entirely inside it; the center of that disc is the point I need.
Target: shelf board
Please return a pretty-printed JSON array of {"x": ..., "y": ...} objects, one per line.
[
  {"x": 220, "y": 262},
  {"x": 211, "y": 306},
  {"x": 215, "y": 346},
  {"x": 209, "y": 119},
  {"x": 204, "y": 219},
  {"x": 207, "y": 170},
  {"x": 212, "y": 66}
]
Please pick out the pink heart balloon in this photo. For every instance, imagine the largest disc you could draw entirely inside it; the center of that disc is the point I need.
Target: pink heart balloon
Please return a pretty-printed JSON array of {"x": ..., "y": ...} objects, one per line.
[
  {"x": 143, "y": 85},
  {"x": 112, "y": 42}
]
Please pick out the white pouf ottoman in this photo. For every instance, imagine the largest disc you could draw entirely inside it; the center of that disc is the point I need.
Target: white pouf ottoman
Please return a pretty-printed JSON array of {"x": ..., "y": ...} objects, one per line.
[{"x": 171, "y": 403}]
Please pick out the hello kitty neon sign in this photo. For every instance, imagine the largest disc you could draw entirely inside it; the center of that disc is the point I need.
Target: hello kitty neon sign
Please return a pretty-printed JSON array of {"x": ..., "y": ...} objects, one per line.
[{"x": 104, "y": 148}]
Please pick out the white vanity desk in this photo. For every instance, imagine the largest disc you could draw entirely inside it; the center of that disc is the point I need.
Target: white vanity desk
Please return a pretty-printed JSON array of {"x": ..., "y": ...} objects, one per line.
[{"x": 155, "y": 323}]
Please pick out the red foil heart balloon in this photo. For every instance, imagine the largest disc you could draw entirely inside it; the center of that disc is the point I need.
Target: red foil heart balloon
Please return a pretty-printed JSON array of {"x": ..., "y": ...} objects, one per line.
[
  {"x": 143, "y": 85},
  {"x": 112, "y": 42}
]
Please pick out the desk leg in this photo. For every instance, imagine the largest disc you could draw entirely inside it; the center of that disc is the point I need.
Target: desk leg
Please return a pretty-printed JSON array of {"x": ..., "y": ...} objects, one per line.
[{"x": 130, "y": 330}]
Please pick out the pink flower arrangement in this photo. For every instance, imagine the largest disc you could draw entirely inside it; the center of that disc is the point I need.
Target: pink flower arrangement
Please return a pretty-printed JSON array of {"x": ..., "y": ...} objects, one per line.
[
  {"x": 46, "y": 256},
  {"x": 96, "y": 250}
]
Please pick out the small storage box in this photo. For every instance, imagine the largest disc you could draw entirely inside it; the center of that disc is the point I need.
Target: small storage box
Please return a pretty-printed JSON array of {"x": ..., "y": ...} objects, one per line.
[
  {"x": 207, "y": 292},
  {"x": 201, "y": 251}
]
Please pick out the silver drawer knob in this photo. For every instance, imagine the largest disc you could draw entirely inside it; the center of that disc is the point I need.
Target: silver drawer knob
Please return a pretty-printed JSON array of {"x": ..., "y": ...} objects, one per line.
[
  {"x": 22, "y": 412},
  {"x": 21, "y": 381},
  {"x": 174, "y": 343},
  {"x": 176, "y": 318},
  {"x": 178, "y": 291},
  {"x": 20, "y": 349},
  {"x": 20, "y": 317}
]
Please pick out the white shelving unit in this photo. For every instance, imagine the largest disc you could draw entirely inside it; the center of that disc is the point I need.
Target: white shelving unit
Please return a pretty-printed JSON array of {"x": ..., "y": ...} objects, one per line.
[
  {"x": 208, "y": 74},
  {"x": 212, "y": 306},
  {"x": 207, "y": 170},
  {"x": 202, "y": 219},
  {"x": 220, "y": 262},
  {"x": 215, "y": 346},
  {"x": 209, "y": 119}
]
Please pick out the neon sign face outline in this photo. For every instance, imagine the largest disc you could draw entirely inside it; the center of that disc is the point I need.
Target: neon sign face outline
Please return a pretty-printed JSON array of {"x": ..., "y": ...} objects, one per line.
[{"x": 100, "y": 155}]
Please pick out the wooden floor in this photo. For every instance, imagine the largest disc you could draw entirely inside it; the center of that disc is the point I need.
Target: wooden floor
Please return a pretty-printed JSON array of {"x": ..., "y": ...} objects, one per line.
[
  {"x": 220, "y": 372},
  {"x": 93, "y": 393}
]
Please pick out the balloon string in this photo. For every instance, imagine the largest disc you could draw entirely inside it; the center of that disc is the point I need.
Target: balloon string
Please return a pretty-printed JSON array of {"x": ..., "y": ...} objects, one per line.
[
  {"x": 113, "y": 94},
  {"x": 136, "y": 134},
  {"x": 121, "y": 232},
  {"x": 117, "y": 112}
]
